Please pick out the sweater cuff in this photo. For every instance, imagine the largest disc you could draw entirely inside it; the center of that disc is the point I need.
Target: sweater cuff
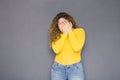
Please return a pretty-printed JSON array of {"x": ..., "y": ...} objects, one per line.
[
  {"x": 63, "y": 34},
  {"x": 70, "y": 33}
]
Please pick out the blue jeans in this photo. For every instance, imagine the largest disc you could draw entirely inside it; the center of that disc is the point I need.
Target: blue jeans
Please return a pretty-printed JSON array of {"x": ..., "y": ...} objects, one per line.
[{"x": 67, "y": 72}]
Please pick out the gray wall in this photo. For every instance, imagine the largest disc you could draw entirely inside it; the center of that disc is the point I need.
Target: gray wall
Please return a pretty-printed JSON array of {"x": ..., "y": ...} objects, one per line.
[{"x": 24, "y": 51}]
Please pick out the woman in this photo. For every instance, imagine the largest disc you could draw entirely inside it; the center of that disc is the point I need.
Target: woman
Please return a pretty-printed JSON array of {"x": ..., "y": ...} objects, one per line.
[{"x": 67, "y": 41}]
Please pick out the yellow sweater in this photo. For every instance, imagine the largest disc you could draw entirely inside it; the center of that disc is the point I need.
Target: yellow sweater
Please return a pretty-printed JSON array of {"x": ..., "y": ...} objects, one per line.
[{"x": 69, "y": 47}]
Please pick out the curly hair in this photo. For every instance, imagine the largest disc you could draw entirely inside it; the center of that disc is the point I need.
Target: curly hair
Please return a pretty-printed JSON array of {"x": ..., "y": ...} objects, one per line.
[{"x": 54, "y": 32}]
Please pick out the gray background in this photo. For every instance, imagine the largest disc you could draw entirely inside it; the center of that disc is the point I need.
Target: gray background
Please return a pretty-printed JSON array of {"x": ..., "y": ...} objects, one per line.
[{"x": 24, "y": 50}]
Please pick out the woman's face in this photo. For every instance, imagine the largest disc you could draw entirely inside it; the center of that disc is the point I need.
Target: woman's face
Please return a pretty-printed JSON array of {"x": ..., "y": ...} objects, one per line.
[{"x": 63, "y": 21}]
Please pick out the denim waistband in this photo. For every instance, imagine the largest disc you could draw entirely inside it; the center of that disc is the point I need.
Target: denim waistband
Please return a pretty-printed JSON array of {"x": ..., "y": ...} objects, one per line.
[{"x": 56, "y": 63}]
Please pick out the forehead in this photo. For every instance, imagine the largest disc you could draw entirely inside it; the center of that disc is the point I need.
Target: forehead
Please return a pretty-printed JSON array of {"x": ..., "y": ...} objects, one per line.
[{"x": 62, "y": 19}]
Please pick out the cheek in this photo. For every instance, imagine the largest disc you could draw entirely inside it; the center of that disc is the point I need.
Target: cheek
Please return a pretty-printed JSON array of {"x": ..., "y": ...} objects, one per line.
[
  {"x": 71, "y": 24},
  {"x": 59, "y": 27}
]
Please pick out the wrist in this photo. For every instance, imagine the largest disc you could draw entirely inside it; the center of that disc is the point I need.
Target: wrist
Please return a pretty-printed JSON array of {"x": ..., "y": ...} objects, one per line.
[{"x": 69, "y": 31}]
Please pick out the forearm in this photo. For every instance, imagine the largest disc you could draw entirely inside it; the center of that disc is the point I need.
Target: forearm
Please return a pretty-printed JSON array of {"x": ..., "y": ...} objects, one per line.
[
  {"x": 77, "y": 40},
  {"x": 59, "y": 44}
]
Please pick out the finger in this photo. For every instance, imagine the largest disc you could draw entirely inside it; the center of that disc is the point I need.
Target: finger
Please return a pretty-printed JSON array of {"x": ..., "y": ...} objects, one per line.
[{"x": 65, "y": 21}]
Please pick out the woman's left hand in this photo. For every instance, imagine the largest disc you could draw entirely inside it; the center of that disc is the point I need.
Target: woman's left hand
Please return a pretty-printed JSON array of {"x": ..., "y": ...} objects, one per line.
[{"x": 69, "y": 27}]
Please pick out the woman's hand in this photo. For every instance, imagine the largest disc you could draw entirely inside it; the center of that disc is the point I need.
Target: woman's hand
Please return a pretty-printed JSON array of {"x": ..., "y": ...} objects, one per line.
[
  {"x": 65, "y": 26},
  {"x": 69, "y": 28}
]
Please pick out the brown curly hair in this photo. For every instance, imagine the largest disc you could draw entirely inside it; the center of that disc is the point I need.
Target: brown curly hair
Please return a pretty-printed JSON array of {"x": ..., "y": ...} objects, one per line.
[{"x": 54, "y": 32}]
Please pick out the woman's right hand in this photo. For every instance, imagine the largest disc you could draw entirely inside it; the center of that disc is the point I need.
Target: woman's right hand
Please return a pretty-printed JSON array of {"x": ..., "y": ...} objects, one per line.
[
  {"x": 63, "y": 30},
  {"x": 62, "y": 27}
]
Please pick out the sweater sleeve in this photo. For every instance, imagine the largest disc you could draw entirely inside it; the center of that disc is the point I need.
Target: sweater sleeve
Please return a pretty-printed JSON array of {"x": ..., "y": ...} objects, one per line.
[
  {"x": 58, "y": 45},
  {"x": 77, "y": 39}
]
